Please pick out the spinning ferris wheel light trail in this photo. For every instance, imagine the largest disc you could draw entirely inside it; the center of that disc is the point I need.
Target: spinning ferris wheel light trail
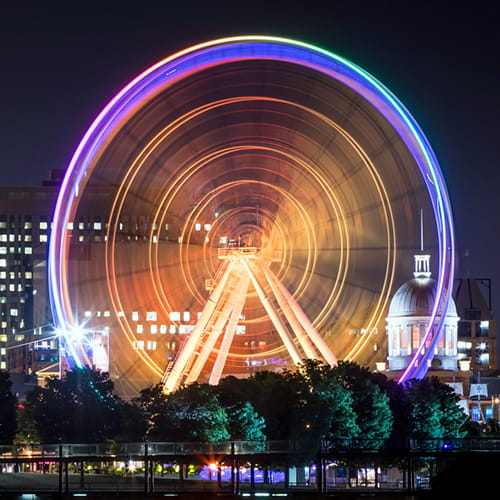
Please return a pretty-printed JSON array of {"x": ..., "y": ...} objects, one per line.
[{"x": 298, "y": 150}]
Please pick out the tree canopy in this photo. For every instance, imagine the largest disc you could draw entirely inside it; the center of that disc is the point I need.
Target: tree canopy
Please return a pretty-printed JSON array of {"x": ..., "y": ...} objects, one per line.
[{"x": 312, "y": 402}]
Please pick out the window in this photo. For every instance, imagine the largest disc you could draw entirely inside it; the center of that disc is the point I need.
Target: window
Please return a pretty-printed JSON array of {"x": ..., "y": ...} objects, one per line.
[
  {"x": 175, "y": 316},
  {"x": 43, "y": 225},
  {"x": 43, "y": 238},
  {"x": 140, "y": 329},
  {"x": 154, "y": 329},
  {"x": 28, "y": 250},
  {"x": 3, "y": 262},
  {"x": 135, "y": 316},
  {"x": 163, "y": 329},
  {"x": 151, "y": 316}
]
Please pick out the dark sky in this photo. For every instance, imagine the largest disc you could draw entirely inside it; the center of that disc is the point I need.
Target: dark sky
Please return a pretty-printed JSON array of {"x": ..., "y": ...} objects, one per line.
[{"x": 60, "y": 66}]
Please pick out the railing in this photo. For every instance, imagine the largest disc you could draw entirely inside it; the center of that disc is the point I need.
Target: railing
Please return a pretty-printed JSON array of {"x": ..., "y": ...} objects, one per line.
[{"x": 152, "y": 449}]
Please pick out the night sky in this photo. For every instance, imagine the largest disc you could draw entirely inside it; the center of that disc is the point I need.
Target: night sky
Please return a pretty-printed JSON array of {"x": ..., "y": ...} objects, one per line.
[{"x": 61, "y": 66}]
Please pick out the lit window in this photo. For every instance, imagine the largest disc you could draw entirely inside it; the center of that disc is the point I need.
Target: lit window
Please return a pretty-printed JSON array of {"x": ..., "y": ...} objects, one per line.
[
  {"x": 140, "y": 329},
  {"x": 13, "y": 312},
  {"x": 197, "y": 227},
  {"x": 43, "y": 238},
  {"x": 28, "y": 275},
  {"x": 154, "y": 329},
  {"x": 172, "y": 329},
  {"x": 151, "y": 345},
  {"x": 27, "y": 237},
  {"x": 88, "y": 314},
  {"x": 3, "y": 365},
  {"x": 3, "y": 275},
  {"x": 163, "y": 329},
  {"x": 81, "y": 225},
  {"x": 3, "y": 262},
  {"x": 3, "y": 250},
  {"x": 81, "y": 238},
  {"x": 135, "y": 316},
  {"x": 70, "y": 226},
  {"x": 175, "y": 316},
  {"x": 107, "y": 314},
  {"x": 27, "y": 225},
  {"x": 186, "y": 316},
  {"x": 43, "y": 225},
  {"x": 207, "y": 227},
  {"x": 28, "y": 250},
  {"x": 151, "y": 316},
  {"x": 3, "y": 237},
  {"x": 97, "y": 226},
  {"x": 3, "y": 225},
  {"x": 12, "y": 287}
]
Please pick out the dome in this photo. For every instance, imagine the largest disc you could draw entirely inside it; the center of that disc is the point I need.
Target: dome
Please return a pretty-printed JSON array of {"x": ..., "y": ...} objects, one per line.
[{"x": 416, "y": 298}]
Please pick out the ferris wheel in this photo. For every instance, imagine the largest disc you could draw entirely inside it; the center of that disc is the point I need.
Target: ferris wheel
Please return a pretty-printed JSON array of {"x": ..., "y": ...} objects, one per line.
[{"x": 242, "y": 204}]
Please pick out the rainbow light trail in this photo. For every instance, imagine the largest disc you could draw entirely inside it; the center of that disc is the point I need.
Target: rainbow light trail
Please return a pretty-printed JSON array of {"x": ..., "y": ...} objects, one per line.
[{"x": 216, "y": 53}]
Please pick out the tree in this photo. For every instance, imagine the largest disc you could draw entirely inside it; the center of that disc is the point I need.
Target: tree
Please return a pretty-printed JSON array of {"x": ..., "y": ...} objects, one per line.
[
  {"x": 275, "y": 399},
  {"x": 8, "y": 403},
  {"x": 373, "y": 412},
  {"x": 434, "y": 411},
  {"x": 192, "y": 413},
  {"x": 324, "y": 407},
  {"x": 150, "y": 404},
  {"x": 245, "y": 423},
  {"x": 79, "y": 408}
]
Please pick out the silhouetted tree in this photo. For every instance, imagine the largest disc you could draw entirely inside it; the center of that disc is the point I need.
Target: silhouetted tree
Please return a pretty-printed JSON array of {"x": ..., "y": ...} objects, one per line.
[
  {"x": 79, "y": 408},
  {"x": 8, "y": 403}
]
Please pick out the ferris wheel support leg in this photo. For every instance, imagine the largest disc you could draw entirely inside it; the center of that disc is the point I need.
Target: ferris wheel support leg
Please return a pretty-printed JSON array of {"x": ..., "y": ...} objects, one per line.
[
  {"x": 227, "y": 340},
  {"x": 221, "y": 318},
  {"x": 173, "y": 378},
  {"x": 290, "y": 314},
  {"x": 273, "y": 314},
  {"x": 313, "y": 334}
]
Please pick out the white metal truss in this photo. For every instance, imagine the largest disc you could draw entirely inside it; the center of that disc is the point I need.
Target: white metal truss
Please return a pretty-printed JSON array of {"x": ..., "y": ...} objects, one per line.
[{"x": 219, "y": 318}]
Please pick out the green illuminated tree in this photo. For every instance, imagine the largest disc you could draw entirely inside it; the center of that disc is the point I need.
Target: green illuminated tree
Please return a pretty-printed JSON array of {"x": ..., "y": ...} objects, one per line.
[
  {"x": 371, "y": 405},
  {"x": 245, "y": 423},
  {"x": 192, "y": 413},
  {"x": 433, "y": 410}
]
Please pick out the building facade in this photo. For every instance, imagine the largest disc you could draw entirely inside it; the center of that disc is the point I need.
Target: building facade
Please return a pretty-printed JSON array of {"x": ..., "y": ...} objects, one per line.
[
  {"x": 408, "y": 320},
  {"x": 477, "y": 326}
]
